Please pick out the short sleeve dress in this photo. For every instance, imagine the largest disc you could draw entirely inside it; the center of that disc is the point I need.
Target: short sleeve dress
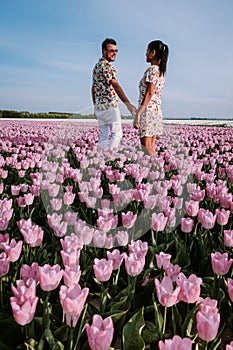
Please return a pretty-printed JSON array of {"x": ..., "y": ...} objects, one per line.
[{"x": 151, "y": 122}]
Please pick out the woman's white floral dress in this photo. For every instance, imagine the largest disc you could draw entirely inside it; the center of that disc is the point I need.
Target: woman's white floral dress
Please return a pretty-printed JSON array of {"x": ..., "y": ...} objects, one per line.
[{"x": 151, "y": 122}]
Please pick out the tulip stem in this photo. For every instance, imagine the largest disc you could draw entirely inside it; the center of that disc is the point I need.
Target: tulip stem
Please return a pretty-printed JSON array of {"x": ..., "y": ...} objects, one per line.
[
  {"x": 71, "y": 337},
  {"x": 217, "y": 280},
  {"x": 81, "y": 328},
  {"x": 1, "y": 294},
  {"x": 206, "y": 345},
  {"x": 164, "y": 319}
]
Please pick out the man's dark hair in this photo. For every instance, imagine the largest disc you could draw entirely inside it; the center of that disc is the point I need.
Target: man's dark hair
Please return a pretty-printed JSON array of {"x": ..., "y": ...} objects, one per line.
[{"x": 108, "y": 41}]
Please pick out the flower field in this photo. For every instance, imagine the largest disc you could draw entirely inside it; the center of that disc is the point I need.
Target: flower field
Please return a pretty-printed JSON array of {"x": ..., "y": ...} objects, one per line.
[{"x": 115, "y": 249}]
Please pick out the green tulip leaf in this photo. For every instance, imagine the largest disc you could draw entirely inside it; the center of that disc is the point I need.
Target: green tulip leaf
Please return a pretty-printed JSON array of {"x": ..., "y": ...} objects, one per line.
[{"x": 132, "y": 338}]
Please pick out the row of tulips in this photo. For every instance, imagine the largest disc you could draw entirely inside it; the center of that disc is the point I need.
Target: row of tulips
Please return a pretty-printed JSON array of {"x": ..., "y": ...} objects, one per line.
[{"x": 115, "y": 249}]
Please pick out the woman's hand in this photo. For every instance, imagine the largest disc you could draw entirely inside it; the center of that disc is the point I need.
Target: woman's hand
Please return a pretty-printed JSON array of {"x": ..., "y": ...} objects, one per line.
[{"x": 137, "y": 119}]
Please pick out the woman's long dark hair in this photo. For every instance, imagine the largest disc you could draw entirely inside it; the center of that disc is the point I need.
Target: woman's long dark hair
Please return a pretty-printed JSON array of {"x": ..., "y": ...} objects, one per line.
[{"x": 162, "y": 52}]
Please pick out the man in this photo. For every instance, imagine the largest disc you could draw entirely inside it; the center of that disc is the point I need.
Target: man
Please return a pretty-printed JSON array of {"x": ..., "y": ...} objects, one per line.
[{"x": 105, "y": 93}]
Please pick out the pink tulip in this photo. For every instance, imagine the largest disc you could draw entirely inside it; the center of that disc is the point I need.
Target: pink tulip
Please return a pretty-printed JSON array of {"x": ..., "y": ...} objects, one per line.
[
  {"x": 68, "y": 198},
  {"x": 172, "y": 271},
  {"x": 13, "y": 249},
  {"x": 116, "y": 258},
  {"x": 163, "y": 260},
  {"x": 187, "y": 225},
  {"x": 102, "y": 269},
  {"x": 138, "y": 248},
  {"x": 56, "y": 203},
  {"x": 220, "y": 263},
  {"x": 72, "y": 300},
  {"x": 15, "y": 189},
  {"x": 228, "y": 238},
  {"x": 32, "y": 234},
  {"x": 189, "y": 288},
  {"x": 222, "y": 216},
  {"x": 70, "y": 257},
  {"x": 28, "y": 199},
  {"x": 229, "y": 346},
  {"x": 100, "y": 333},
  {"x": 134, "y": 264},
  {"x": 71, "y": 275},
  {"x": 1, "y": 187},
  {"x": 70, "y": 217},
  {"x": 30, "y": 272},
  {"x": 4, "y": 264},
  {"x": 50, "y": 277},
  {"x": 207, "y": 324},
  {"x": 122, "y": 238},
  {"x": 159, "y": 222},
  {"x": 99, "y": 238},
  {"x": 176, "y": 343},
  {"x": 206, "y": 218},
  {"x": 24, "y": 301},
  {"x": 230, "y": 288},
  {"x": 167, "y": 295},
  {"x": 128, "y": 219},
  {"x": 4, "y": 238}
]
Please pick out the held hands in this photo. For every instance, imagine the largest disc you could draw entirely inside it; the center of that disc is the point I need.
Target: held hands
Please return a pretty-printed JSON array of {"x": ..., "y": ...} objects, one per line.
[
  {"x": 137, "y": 119},
  {"x": 131, "y": 108}
]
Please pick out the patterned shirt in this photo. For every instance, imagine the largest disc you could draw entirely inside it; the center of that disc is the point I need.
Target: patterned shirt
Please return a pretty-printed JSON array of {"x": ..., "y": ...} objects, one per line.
[
  {"x": 105, "y": 94},
  {"x": 151, "y": 75}
]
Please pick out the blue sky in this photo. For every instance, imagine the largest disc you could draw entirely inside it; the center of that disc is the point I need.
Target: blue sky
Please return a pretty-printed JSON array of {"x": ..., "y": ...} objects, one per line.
[{"x": 49, "y": 47}]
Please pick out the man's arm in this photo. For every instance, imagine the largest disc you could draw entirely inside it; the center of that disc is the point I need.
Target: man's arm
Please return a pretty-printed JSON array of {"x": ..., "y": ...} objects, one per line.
[{"x": 122, "y": 95}]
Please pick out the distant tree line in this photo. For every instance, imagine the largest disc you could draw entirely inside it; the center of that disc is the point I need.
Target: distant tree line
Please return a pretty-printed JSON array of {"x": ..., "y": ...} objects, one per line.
[{"x": 52, "y": 115}]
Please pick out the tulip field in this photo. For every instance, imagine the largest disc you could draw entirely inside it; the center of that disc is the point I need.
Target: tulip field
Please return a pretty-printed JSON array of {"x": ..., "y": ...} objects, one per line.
[{"x": 115, "y": 249}]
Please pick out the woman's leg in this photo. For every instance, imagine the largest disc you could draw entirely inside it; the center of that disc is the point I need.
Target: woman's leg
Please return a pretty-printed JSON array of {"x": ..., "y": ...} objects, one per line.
[
  {"x": 153, "y": 141},
  {"x": 149, "y": 143}
]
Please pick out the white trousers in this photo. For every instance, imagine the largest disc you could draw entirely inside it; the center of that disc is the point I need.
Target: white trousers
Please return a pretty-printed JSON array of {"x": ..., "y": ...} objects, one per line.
[{"x": 109, "y": 122}]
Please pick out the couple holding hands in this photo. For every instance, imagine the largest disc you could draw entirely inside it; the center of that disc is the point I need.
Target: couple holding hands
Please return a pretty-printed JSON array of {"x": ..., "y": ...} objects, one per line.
[{"x": 106, "y": 90}]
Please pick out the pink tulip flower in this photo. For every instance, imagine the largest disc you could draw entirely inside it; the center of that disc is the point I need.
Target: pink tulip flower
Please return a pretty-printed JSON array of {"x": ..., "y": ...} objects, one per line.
[
  {"x": 72, "y": 300},
  {"x": 13, "y": 249},
  {"x": 4, "y": 238},
  {"x": 186, "y": 225},
  {"x": 70, "y": 217},
  {"x": 116, "y": 258},
  {"x": 70, "y": 256},
  {"x": 138, "y": 248},
  {"x": 68, "y": 198},
  {"x": 32, "y": 234},
  {"x": 4, "y": 264},
  {"x": 167, "y": 295},
  {"x": 24, "y": 301},
  {"x": 128, "y": 219},
  {"x": 229, "y": 346},
  {"x": 99, "y": 238},
  {"x": 71, "y": 275},
  {"x": 1, "y": 187},
  {"x": 100, "y": 333},
  {"x": 222, "y": 216},
  {"x": 122, "y": 238},
  {"x": 230, "y": 288},
  {"x": 30, "y": 272},
  {"x": 189, "y": 288},
  {"x": 163, "y": 260},
  {"x": 176, "y": 343},
  {"x": 15, "y": 189},
  {"x": 50, "y": 277},
  {"x": 220, "y": 263},
  {"x": 56, "y": 203},
  {"x": 172, "y": 271},
  {"x": 102, "y": 269},
  {"x": 228, "y": 238},
  {"x": 206, "y": 218},
  {"x": 159, "y": 221},
  {"x": 134, "y": 264},
  {"x": 207, "y": 324}
]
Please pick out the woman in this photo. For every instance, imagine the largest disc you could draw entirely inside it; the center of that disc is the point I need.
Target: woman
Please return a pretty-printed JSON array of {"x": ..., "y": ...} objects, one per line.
[{"x": 149, "y": 119}]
